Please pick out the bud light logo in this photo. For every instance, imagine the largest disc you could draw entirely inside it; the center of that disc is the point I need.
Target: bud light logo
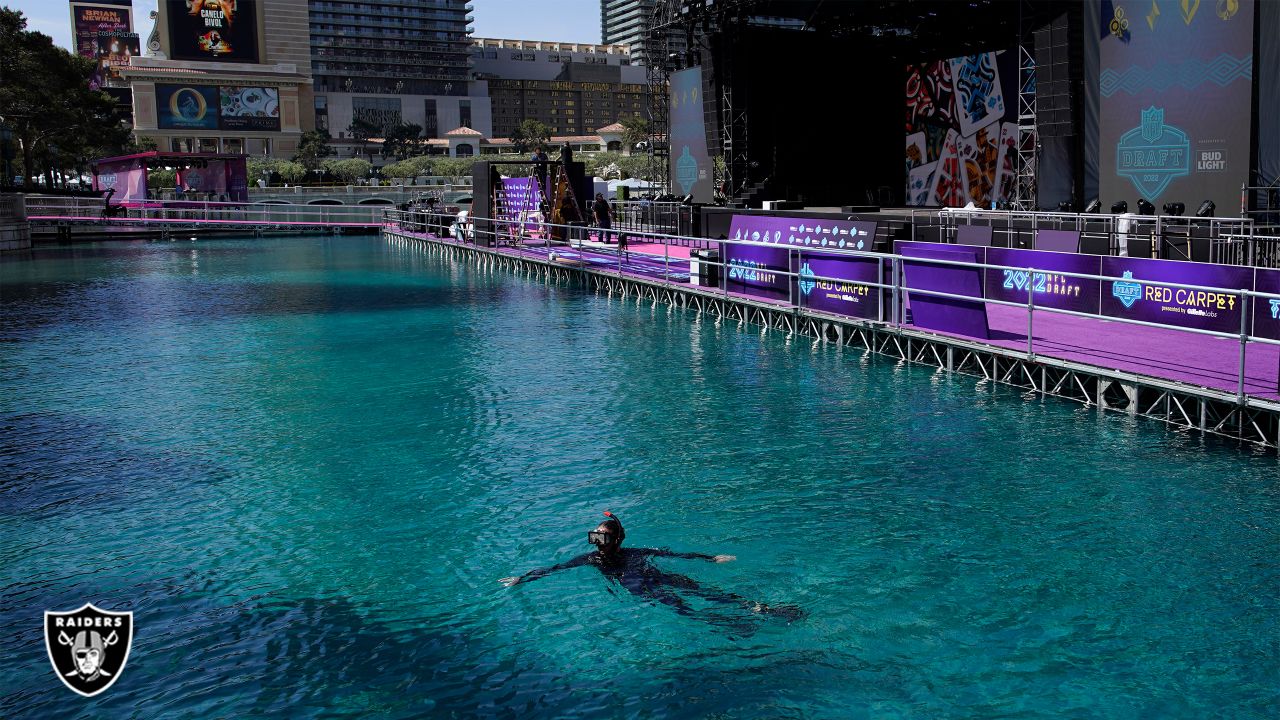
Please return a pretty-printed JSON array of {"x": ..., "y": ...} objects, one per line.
[
  {"x": 1153, "y": 154},
  {"x": 1127, "y": 293},
  {"x": 1212, "y": 161}
]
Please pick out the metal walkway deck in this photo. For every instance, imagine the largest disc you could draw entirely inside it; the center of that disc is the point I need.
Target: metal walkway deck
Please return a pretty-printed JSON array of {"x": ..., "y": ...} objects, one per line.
[{"x": 1217, "y": 411}]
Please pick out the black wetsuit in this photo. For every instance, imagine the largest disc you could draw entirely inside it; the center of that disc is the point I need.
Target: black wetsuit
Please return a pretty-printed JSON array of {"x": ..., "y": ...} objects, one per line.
[{"x": 631, "y": 568}]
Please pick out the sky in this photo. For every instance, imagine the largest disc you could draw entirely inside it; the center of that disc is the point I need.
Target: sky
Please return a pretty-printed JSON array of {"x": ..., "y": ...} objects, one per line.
[{"x": 552, "y": 20}]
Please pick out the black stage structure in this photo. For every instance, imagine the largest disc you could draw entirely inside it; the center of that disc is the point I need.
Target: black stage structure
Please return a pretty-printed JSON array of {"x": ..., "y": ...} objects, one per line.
[{"x": 804, "y": 97}]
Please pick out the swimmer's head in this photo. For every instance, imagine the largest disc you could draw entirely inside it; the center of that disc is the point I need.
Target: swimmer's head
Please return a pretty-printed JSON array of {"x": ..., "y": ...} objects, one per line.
[{"x": 608, "y": 535}]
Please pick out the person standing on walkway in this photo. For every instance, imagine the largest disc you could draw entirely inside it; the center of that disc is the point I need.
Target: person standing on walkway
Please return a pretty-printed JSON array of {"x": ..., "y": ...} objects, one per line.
[{"x": 604, "y": 218}]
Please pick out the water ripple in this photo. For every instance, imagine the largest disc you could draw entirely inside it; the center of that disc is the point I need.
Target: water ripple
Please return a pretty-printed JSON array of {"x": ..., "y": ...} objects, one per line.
[{"x": 305, "y": 462}]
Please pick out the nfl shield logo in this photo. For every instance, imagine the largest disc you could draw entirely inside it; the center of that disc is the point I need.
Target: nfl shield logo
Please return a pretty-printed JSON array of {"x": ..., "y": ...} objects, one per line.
[
  {"x": 1152, "y": 124},
  {"x": 1126, "y": 291},
  {"x": 88, "y": 647}
]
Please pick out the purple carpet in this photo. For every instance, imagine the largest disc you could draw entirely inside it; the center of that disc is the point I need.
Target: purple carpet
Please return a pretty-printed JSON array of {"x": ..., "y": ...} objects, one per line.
[{"x": 1155, "y": 352}]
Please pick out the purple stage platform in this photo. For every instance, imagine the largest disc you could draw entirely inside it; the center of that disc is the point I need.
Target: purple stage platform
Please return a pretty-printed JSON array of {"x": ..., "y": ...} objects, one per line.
[
  {"x": 1182, "y": 357},
  {"x": 1168, "y": 355}
]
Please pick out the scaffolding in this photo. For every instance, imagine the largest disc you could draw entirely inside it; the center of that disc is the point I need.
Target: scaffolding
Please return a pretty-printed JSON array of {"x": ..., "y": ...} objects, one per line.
[
  {"x": 1024, "y": 197},
  {"x": 666, "y": 15}
]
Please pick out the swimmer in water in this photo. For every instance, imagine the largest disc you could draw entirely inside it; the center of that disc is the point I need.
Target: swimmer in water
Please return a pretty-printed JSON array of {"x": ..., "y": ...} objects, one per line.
[{"x": 631, "y": 568}]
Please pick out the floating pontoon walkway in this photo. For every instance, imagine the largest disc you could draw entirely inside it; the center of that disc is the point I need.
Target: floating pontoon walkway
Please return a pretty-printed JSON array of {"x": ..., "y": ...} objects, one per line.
[{"x": 1189, "y": 381}]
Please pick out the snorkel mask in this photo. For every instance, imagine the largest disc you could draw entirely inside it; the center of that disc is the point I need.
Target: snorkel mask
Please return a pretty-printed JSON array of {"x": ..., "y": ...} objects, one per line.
[{"x": 605, "y": 534}]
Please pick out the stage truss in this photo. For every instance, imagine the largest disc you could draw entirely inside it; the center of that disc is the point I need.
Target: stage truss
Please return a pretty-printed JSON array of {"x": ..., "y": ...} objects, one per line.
[
  {"x": 1028, "y": 140},
  {"x": 665, "y": 17}
]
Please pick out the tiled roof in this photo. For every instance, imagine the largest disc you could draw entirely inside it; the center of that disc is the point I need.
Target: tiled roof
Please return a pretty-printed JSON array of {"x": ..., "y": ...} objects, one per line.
[
  {"x": 464, "y": 130},
  {"x": 555, "y": 140}
]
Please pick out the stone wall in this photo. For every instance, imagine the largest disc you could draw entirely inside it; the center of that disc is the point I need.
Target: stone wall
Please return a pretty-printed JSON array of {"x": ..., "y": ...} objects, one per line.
[{"x": 15, "y": 232}]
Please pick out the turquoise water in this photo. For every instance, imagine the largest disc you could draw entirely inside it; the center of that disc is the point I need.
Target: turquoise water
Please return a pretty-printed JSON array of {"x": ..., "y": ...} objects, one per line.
[{"x": 304, "y": 463}]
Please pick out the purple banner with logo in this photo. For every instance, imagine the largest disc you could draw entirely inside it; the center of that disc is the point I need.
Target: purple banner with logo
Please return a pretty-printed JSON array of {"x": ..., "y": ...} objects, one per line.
[
  {"x": 520, "y": 196},
  {"x": 1050, "y": 287},
  {"x": 760, "y": 271},
  {"x": 804, "y": 232},
  {"x": 1266, "y": 310},
  {"x": 839, "y": 284},
  {"x": 1138, "y": 295}
]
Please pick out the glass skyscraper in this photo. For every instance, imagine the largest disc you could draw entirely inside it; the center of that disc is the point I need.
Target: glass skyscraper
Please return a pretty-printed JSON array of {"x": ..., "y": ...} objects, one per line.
[
  {"x": 393, "y": 47},
  {"x": 625, "y": 22}
]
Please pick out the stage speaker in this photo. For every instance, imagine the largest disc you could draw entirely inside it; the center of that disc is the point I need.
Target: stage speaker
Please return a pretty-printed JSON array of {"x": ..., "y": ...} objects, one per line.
[
  {"x": 710, "y": 95},
  {"x": 583, "y": 186},
  {"x": 1058, "y": 57},
  {"x": 484, "y": 181}
]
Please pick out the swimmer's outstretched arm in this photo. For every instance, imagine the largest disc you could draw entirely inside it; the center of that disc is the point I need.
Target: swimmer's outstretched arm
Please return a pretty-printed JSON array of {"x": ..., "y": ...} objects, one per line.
[
  {"x": 542, "y": 572},
  {"x": 663, "y": 552}
]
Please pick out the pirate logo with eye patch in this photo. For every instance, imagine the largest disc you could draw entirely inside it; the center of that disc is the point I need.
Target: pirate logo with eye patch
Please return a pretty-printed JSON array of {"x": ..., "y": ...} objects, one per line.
[{"x": 88, "y": 647}]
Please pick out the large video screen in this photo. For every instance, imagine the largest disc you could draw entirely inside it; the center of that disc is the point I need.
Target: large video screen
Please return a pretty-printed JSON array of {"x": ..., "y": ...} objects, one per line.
[
  {"x": 249, "y": 108},
  {"x": 89, "y": 18},
  {"x": 204, "y": 107},
  {"x": 962, "y": 132},
  {"x": 1175, "y": 84},
  {"x": 213, "y": 30},
  {"x": 114, "y": 52},
  {"x": 186, "y": 107},
  {"x": 690, "y": 169}
]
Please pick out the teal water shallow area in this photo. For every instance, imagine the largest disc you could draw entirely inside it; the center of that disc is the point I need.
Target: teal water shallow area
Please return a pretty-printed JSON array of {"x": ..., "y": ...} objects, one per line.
[{"x": 304, "y": 463}]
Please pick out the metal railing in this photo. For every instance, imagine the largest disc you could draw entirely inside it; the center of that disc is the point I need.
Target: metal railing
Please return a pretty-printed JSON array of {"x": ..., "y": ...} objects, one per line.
[
  {"x": 44, "y": 208},
  {"x": 12, "y": 207},
  {"x": 348, "y": 194},
  {"x": 1250, "y": 250},
  {"x": 1163, "y": 236},
  {"x": 1262, "y": 204},
  {"x": 636, "y": 216},
  {"x": 894, "y": 286}
]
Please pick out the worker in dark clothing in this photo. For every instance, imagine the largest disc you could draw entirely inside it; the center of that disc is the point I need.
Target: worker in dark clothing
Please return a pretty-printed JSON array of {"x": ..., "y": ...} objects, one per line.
[
  {"x": 631, "y": 568},
  {"x": 604, "y": 218}
]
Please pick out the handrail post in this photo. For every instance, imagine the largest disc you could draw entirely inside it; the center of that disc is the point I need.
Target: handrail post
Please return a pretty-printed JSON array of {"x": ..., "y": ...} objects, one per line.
[
  {"x": 723, "y": 262},
  {"x": 1031, "y": 309},
  {"x": 1244, "y": 342},
  {"x": 792, "y": 286},
  {"x": 666, "y": 259},
  {"x": 894, "y": 309}
]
